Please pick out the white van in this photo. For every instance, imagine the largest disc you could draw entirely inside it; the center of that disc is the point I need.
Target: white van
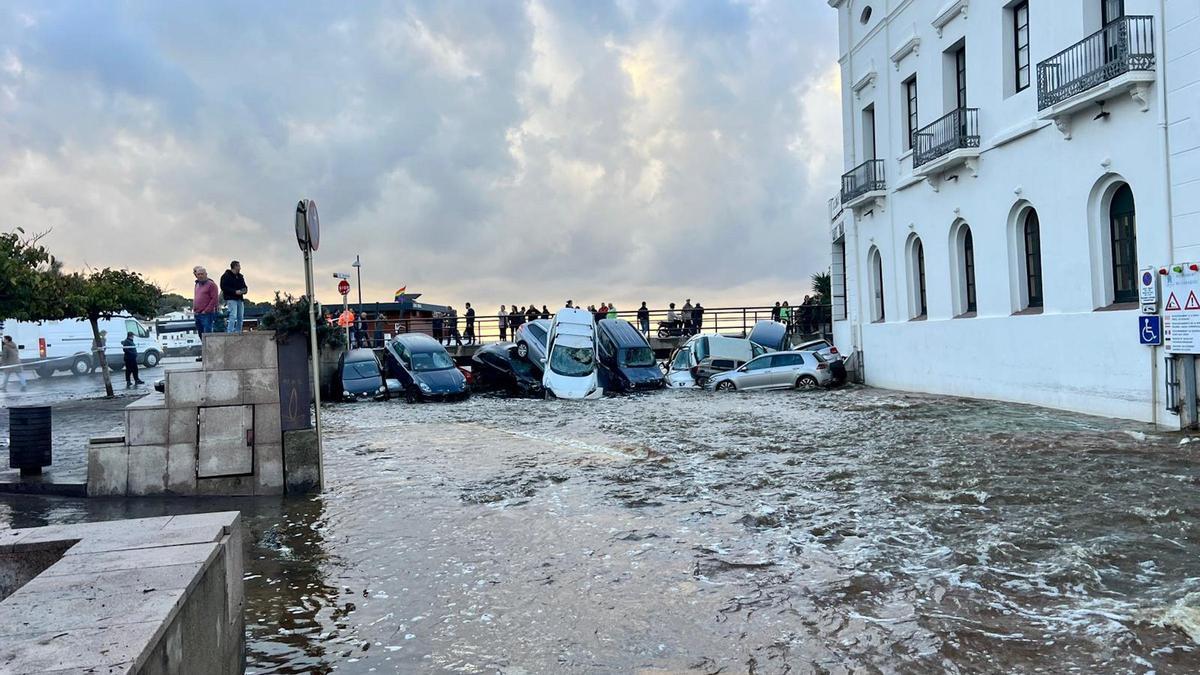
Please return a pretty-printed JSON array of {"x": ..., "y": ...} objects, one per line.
[
  {"x": 707, "y": 354},
  {"x": 51, "y": 346},
  {"x": 571, "y": 356}
]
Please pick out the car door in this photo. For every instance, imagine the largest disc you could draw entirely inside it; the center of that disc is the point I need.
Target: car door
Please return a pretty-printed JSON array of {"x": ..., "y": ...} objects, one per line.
[
  {"x": 784, "y": 369},
  {"x": 756, "y": 374}
]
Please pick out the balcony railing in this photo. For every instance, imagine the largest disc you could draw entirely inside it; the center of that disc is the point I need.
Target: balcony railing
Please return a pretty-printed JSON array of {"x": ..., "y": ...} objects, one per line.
[
  {"x": 1124, "y": 45},
  {"x": 864, "y": 178},
  {"x": 835, "y": 206},
  {"x": 953, "y": 131}
]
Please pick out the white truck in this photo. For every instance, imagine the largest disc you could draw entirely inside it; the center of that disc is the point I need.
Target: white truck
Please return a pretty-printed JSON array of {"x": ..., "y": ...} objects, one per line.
[{"x": 50, "y": 346}]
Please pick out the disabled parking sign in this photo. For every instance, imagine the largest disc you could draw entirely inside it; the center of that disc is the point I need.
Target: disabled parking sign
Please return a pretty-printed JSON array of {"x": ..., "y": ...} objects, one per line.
[{"x": 1150, "y": 329}]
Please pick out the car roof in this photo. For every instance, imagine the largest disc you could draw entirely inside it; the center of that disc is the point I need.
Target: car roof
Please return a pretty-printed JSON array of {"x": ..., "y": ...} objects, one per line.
[
  {"x": 419, "y": 342},
  {"x": 360, "y": 355},
  {"x": 570, "y": 315},
  {"x": 810, "y": 343},
  {"x": 622, "y": 332}
]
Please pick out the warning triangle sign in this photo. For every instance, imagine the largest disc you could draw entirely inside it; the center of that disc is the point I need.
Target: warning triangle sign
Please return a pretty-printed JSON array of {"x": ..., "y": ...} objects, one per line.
[
  {"x": 1192, "y": 302},
  {"x": 1172, "y": 303}
]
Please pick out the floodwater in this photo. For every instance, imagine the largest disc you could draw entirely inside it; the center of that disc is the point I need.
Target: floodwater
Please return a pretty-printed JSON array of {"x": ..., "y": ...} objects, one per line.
[{"x": 853, "y": 530}]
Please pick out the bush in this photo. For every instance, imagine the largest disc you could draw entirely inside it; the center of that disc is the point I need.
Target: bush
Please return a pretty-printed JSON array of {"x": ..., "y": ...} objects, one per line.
[{"x": 288, "y": 315}]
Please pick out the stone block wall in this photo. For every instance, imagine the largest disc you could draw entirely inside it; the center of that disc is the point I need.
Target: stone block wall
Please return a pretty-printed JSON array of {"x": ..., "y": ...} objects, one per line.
[{"x": 216, "y": 430}]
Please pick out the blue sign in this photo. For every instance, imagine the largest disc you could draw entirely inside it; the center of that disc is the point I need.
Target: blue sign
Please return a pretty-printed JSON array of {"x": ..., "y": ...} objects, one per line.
[{"x": 1150, "y": 330}]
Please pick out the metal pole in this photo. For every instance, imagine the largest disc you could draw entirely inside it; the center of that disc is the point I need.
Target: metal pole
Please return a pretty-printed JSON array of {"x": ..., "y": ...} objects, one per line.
[
  {"x": 358, "y": 271},
  {"x": 1187, "y": 410},
  {"x": 346, "y": 306},
  {"x": 316, "y": 363}
]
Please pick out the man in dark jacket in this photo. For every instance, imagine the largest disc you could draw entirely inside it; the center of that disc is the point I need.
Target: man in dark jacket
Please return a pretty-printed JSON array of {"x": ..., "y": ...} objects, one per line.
[
  {"x": 643, "y": 315},
  {"x": 435, "y": 326},
  {"x": 453, "y": 317},
  {"x": 545, "y": 312},
  {"x": 469, "y": 334},
  {"x": 514, "y": 321},
  {"x": 129, "y": 351},
  {"x": 233, "y": 288},
  {"x": 698, "y": 316}
]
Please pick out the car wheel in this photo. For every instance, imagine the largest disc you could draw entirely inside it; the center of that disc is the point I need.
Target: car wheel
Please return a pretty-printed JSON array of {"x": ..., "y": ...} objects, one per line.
[
  {"x": 411, "y": 396},
  {"x": 522, "y": 350},
  {"x": 664, "y": 333},
  {"x": 726, "y": 386},
  {"x": 151, "y": 359},
  {"x": 44, "y": 372},
  {"x": 806, "y": 382},
  {"x": 81, "y": 366}
]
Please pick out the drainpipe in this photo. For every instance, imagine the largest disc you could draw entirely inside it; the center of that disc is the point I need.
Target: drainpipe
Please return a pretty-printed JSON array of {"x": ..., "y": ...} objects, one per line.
[{"x": 1188, "y": 412}]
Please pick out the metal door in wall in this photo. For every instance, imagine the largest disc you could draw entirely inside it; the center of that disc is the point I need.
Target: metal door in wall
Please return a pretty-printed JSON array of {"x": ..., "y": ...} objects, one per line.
[{"x": 226, "y": 436}]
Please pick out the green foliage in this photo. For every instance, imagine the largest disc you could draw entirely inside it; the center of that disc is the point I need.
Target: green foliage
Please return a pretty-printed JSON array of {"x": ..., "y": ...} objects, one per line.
[
  {"x": 100, "y": 294},
  {"x": 29, "y": 276},
  {"x": 821, "y": 285},
  {"x": 172, "y": 302},
  {"x": 288, "y": 315}
]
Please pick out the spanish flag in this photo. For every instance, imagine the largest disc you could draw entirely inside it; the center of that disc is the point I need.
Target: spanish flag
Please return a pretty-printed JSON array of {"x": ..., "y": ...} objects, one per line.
[{"x": 400, "y": 293}]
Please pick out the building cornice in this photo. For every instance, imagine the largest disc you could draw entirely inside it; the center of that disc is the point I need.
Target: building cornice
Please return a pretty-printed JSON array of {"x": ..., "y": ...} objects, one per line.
[
  {"x": 948, "y": 13},
  {"x": 866, "y": 80},
  {"x": 911, "y": 45}
]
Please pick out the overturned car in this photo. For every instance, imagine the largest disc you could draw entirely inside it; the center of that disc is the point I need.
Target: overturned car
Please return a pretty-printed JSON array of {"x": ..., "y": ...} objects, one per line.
[{"x": 499, "y": 366}]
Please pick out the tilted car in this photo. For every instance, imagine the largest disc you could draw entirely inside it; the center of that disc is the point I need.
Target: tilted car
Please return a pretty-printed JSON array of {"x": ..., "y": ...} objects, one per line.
[
  {"x": 571, "y": 356},
  {"x": 770, "y": 334},
  {"x": 837, "y": 363},
  {"x": 707, "y": 354},
  {"x": 424, "y": 368},
  {"x": 359, "y": 377},
  {"x": 531, "y": 340},
  {"x": 777, "y": 370},
  {"x": 497, "y": 366},
  {"x": 625, "y": 358}
]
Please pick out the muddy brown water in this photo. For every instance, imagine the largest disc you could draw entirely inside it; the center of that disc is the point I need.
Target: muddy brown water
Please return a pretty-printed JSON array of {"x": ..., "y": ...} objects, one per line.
[{"x": 833, "y": 532}]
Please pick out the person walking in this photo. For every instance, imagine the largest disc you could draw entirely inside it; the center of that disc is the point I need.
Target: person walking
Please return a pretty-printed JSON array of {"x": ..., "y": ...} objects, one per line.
[
  {"x": 233, "y": 287},
  {"x": 204, "y": 301},
  {"x": 503, "y": 322},
  {"x": 698, "y": 316},
  {"x": 435, "y": 326},
  {"x": 129, "y": 352},
  {"x": 470, "y": 332},
  {"x": 10, "y": 362},
  {"x": 643, "y": 316},
  {"x": 687, "y": 316}
]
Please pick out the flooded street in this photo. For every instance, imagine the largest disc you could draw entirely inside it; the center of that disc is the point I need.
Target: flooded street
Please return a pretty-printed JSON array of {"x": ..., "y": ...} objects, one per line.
[{"x": 846, "y": 531}]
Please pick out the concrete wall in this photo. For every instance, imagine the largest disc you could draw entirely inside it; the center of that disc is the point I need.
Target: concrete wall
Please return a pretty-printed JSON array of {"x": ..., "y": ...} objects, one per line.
[
  {"x": 151, "y": 595},
  {"x": 1077, "y": 352},
  {"x": 1182, "y": 62}
]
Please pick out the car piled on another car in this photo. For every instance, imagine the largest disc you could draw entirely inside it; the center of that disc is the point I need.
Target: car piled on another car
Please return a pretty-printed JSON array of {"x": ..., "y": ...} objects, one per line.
[
  {"x": 499, "y": 366},
  {"x": 625, "y": 358},
  {"x": 531, "y": 340},
  {"x": 707, "y": 354},
  {"x": 837, "y": 364},
  {"x": 571, "y": 356},
  {"x": 424, "y": 368}
]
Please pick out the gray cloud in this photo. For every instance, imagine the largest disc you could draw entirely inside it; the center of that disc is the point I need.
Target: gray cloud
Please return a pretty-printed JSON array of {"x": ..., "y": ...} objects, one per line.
[{"x": 491, "y": 152}]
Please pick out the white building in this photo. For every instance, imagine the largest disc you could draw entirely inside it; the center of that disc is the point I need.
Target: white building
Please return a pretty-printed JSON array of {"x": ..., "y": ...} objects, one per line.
[{"x": 1010, "y": 165}]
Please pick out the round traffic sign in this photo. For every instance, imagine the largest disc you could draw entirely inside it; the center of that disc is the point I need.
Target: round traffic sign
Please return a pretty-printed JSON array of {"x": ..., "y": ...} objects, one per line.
[
  {"x": 301, "y": 225},
  {"x": 314, "y": 225},
  {"x": 344, "y": 287}
]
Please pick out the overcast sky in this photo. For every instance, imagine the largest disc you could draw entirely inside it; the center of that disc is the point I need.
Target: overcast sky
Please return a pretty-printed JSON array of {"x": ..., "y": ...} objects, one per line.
[{"x": 484, "y": 151}]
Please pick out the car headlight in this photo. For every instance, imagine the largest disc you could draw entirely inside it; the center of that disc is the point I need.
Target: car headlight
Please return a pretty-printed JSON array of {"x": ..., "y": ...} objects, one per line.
[
  {"x": 346, "y": 394},
  {"x": 424, "y": 387},
  {"x": 381, "y": 390}
]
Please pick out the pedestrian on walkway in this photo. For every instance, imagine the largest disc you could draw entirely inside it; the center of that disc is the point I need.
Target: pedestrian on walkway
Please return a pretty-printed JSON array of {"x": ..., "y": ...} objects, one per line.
[
  {"x": 612, "y": 311},
  {"x": 502, "y": 316},
  {"x": 453, "y": 317},
  {"x": 775, "y": 311},
  {"x": 532, "y": 314},
  {"x": 643, "y": 315},
  {"x": 435, "y": 326},
  {"x": 204, "y": 301},
  {"x": 688, "y": 323},
  {"x": 698, "y": 316},
  {"x": 233, "y": 287},
  {"x": 10, "y": 362},
  {"x": 545, "y": 312},
  {"x": 129, "y": 352},
  {"x": 514, "y": 321},
  {"x": 785, "y": 316},
  {"x": 470, "y": 333},
  {"x": 602, "y": 312}
]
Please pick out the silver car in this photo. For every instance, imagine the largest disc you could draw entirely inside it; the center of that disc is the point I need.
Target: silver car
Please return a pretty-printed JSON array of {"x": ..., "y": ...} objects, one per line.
[
  {"x": 777, "y": 370},
  {"x": 531, "y": 341}
]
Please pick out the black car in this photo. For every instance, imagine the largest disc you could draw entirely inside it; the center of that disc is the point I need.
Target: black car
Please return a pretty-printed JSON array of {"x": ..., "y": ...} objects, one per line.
[
  {"x": 625, "y": 358},
  {"x": 424, "y": 368},
  {"x": 359, "y": 377},
  {"x": 500, "y": 366}
]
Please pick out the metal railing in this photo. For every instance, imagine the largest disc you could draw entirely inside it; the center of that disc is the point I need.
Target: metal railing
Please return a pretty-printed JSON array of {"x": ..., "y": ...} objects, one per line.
[
  {"x": 1123, "y": 45},
  {"x": 864, "y": 178},
  {"x": 835, "y": 206},
  {"x": 955, "y": 130}
]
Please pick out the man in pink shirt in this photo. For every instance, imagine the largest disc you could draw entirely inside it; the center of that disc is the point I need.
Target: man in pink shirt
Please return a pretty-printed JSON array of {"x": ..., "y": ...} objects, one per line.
[{"x": 204, "y": 304}]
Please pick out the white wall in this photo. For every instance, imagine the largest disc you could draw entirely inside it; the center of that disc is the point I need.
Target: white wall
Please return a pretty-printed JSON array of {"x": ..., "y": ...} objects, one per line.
[{"x": 1182, "y": 19}]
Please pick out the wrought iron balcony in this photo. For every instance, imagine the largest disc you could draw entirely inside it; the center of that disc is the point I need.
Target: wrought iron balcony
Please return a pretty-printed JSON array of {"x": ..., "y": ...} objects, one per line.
[
  {"x": 864, "y": 178},
  {"x": 955, "y": 130},
  {"x": 1122, "y": 46}
]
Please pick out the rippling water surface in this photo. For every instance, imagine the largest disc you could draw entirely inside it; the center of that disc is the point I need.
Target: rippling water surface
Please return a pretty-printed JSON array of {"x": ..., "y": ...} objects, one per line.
[{"x": 845, "y": 531}]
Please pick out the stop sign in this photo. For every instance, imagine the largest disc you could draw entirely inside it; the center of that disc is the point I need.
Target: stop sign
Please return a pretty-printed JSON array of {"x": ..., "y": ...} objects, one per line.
[{"x": 344, "y": 287}]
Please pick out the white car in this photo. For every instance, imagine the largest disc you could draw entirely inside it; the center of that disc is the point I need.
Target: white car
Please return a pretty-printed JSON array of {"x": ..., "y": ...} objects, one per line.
[
  {"x": 707, "y": 354},
  {"x": 571, "y": 362},
  {"x": 777, "y": 370}
]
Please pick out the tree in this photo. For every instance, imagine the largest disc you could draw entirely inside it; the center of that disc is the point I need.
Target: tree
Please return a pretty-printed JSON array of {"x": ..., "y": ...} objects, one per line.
[
  {"x": 172, "y": 302},
  {"x": 28, "y": 274},
  {"x": 101, "y": 294},
  {"x": 821, "y": 286}
]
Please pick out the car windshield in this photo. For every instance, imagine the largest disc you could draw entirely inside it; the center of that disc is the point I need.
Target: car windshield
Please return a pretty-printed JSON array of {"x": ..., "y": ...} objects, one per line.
[
  {"x": 523, "y": 368},
  {"x": 361, "y": 369},
  {"x": 572, "y": 361},
  {"x": 681, "y": 360},
  {"x": 637, "y": 357},
  {"x": 426, "y": 361}
]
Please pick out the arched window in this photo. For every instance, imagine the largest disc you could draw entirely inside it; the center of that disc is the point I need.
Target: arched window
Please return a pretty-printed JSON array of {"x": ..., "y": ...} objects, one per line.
[
  {"x": 962, "y": 279},
  {"x": 1032, "y": 236},
  {"x": 1123, "y": 235},
  {"x": 876, "y": 267},
  {"x": 918, "y": 306},
  {"x": 968, "y": 260}
]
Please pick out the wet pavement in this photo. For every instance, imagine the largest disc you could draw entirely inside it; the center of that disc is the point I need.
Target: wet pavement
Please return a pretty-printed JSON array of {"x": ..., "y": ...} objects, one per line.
[{"x": 846, "y": 531}]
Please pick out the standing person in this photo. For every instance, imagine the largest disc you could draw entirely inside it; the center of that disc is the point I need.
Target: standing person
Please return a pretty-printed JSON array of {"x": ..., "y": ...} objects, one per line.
[
  {"x": 532, "y": 314},
  {"x": 470, "y": 334},
  {"x": 514, "y": 321},
  {"x": 570, "y": 304},
  {"x": 454, "y": 328},
  {"x": 687, "y": 317},
  {"x": 545, "y": 312},
  {"x": 612, "y": 311},
  {"x": 233, "y": 287},
  {"x": 10, "y": 362},
  {"x": 503, "y": 321},
  {"x": 129, "y": 352},
  {"x": 204, "y": 301},
  {"x": 785, "y": 316},
  {"x": 435, "y": 326},
  {"x": 602, "y": 312},
  {"x": 775, "y": 311},
  {"x": 643, "y": 316},
  {"x": 698, "y": 316},
  {"x": 805, "y": 313}
]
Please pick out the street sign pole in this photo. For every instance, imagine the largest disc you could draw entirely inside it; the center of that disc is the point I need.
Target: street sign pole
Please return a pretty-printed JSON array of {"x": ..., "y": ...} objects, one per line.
[{"x": 308, "y": 236}]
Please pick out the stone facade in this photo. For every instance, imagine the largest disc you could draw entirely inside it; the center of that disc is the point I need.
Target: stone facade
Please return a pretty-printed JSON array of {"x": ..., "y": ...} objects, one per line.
[{"x": 215, "y": 430}]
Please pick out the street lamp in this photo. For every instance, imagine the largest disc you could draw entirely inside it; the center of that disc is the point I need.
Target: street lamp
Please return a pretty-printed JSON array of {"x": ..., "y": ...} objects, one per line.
[{"x": 358, "y": 270}]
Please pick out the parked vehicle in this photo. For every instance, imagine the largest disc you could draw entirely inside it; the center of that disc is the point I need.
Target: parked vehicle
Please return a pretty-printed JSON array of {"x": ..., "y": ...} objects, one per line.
[
  {"x": 531, "y": 341},
  {"x": 498, "y": 366},
  {"x": 707, "y": 354},
  {"x": 626, "y": 361},
  {"x": 571, "y": 362},
  {"x": 424, "y": 368},
  {"x": 670, "y": 329},
  {"x": 770, "y": 334},
  {"x": 777, "y": 370},
  {"x": 178, "y": 337},
  {"x": 51, "y": 346},
  {"x": 359, "y": 377},
  {"x": 837, "y": 363}
]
